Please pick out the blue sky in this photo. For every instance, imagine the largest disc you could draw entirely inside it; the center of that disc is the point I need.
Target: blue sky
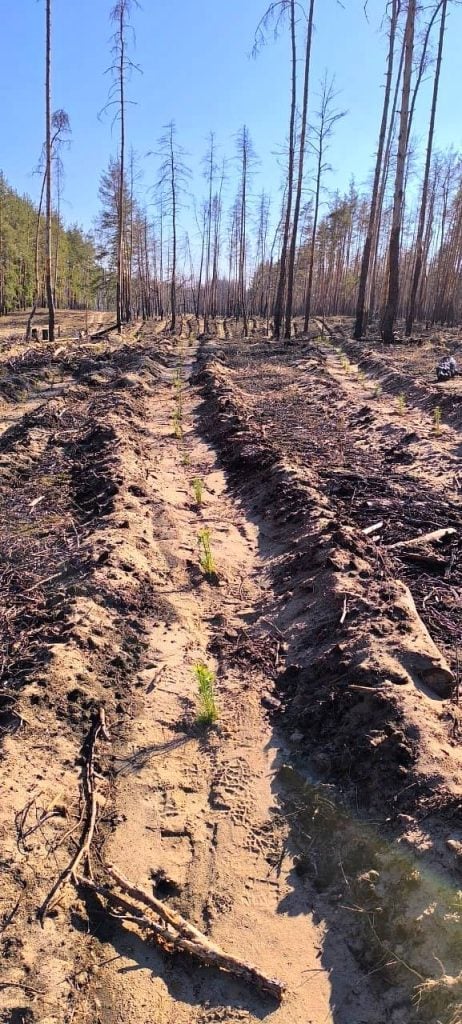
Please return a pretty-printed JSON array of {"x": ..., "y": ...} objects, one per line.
[{"x": 197, "y": 70}]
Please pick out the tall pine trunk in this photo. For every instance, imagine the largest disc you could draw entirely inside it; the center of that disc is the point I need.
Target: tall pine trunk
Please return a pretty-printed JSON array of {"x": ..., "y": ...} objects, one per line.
[
  {"x": 423, "y": 205},
  {"x": 281, "y": 286},
  {"x": 298, "y": 195},
  {"x": 48, "y": 245},
  {"x": 309, "y": 283},
  {"x": 120, "y": 211},
  {"x": 391, "y": 308},
  {"x": 174, "y": 238},
  {"x": 360, "y": 307}
]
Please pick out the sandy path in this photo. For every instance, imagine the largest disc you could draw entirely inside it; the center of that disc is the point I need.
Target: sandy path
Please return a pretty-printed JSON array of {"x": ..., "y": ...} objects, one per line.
[{"x": 198, "y": 813}]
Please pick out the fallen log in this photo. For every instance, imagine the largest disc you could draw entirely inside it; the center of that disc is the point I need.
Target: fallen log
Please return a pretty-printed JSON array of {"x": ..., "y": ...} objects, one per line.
[
  {"x": 425, "y": 538},
  {"x": 102, "y": 331},
  {"x": 178, "y": 933},
  {"x": 98, "y": 729}
]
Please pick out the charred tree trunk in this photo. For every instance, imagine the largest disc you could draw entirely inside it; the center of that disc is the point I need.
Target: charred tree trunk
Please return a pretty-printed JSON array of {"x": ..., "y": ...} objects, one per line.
[
  {"x": 120, "y": 209},
  {"x": 48, "y": 245},
  {"x": 281, "y": 286},
  {"x": 391, "y": 309},
  {"x": 174, "y": 238},
  {"x": 359, "y": 323},
  {"x": 301, "y": 157},
  {"x": 423, "y": 205}
]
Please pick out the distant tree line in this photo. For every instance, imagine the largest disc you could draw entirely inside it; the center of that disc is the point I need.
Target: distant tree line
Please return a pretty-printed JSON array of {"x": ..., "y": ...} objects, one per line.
[
  {"x": 392, "y": 252},
  {"x": 76, "y": 275}
]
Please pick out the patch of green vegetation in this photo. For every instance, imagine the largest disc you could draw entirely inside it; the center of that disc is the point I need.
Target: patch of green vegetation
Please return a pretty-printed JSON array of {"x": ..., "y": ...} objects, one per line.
[
  {"x": 205, "y": 552},
  {"x": 208, "y": 710},
  {"x": 402, "y": 403},
  {"x": 177, "y": 425},
  {"x": 198, "y": 488}
]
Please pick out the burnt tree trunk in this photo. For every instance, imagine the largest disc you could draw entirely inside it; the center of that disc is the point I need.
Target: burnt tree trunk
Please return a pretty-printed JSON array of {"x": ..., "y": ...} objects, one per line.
[
  {"x": 359, "y": 323},
  {"x": 281, "y": 286},
  {"x": 423, "y": 205},
  {"x": 301, "y": 157},
  {"x": 391, "y": 308},
  {"x": 48, "y": 244}
]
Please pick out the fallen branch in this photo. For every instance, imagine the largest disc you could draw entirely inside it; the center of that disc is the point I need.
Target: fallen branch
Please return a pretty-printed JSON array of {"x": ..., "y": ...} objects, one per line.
[
  {"x": 177, "y": 933},
  {"x": 425, "y": 538},
  {"x": 373, "y": 529},
  {"x": 98, "y": 729}
]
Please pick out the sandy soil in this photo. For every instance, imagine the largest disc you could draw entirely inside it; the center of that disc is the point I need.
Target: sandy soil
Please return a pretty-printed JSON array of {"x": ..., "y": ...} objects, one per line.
[{"x": 313, "y": 830}]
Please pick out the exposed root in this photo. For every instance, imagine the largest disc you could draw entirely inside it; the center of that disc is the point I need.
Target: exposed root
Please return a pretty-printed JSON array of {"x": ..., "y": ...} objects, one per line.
[{"x": 98, "y": 729}]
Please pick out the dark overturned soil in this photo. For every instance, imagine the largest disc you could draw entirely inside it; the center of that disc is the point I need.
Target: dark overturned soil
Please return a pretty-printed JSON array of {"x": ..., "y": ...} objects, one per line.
[
  {"x": 336, "y": 653},
  {"x": 324, "y": 463}
]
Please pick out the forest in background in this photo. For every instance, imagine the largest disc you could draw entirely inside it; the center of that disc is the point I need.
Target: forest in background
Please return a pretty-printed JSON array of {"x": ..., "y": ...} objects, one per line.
[
  {"x": 76, "y": 274},
  {"x": 392, "y": 251}
]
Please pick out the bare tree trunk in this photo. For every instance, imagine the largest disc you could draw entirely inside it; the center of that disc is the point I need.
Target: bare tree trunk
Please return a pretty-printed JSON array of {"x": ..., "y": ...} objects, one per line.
[
  {"x": 301, "y": 157},
  {"x": 309, "y": 283},
  {"x": 211, "y": 169},
  {"x": 359, "y": 324},
  {"x": 120, "y": 211},
  {"x": 391, "y": 309},
  {"x": 327, "y": 119},
  {"x": 372, "y": 287},
  {"x": 279, "y": 301},
  {"x": 36, "y": 262},
  {"x": 217, "y": 205},
  {"x": 48, "y": 257},
  {"x": 201, "y": 264},
  {"x": 242, "y": 302},
  {"x": 423, "y": 204},
  {"x": 58, "y": 212},
  {"x": 174, "y": 239}
]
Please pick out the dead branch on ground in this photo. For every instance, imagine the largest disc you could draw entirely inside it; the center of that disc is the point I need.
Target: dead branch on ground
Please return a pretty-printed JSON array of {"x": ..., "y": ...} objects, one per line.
[
  {"x": 98, "y": 729},
  {"x": 176, "y": 933}
]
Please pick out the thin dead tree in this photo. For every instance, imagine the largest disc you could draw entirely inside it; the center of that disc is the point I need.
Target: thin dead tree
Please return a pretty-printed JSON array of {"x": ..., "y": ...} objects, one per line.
[
  {"x": 120, "y": 70},
  {"x": 210, "y": 171},
  {"x": 426, "y": 178},
  {"x": 275, "y": 13},
  {"x": 301, "y": 158},
  {"x": 173, "y": 175},
  {"x": 360, "y": 307},
  {"x": 48, "y": 162},
  {"x": 391, "y": 308},
  {"x": 217, "y": 213},
  {"x": 60, "y": 124},
  {"x": 321, "y": 130},
  {"x": 246, "y": 155}
]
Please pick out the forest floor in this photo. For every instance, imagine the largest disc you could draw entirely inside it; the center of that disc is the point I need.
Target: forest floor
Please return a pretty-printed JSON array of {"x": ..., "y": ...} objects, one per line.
[{"x": 314, "y": 831}]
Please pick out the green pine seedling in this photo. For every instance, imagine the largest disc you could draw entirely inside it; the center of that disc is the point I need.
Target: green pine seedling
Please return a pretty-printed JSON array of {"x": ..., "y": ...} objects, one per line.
[
  {"x": 205, "y": 552},
  {"x": 208, "y": 711},
  {"x": 177, "y": 428},
  {"x": 198, "y": 488}
]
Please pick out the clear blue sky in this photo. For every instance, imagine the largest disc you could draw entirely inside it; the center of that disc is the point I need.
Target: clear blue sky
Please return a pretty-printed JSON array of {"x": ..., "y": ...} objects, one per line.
[{"x": 197, "y": 70}]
